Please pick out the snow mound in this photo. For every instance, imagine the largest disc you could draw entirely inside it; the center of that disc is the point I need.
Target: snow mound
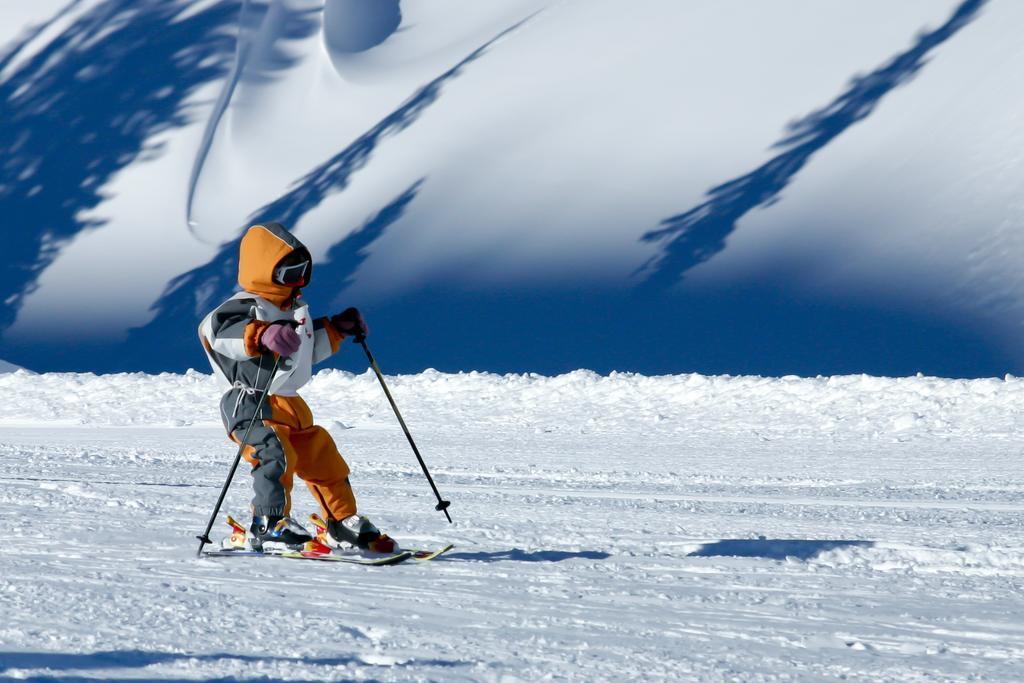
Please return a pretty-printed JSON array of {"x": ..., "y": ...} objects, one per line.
[
  {"x": 11, "y": 367},
  {"x": 352, "y": 26},
  {"x": 964, "y": 560},
  {"x": 580, "y": 402}
]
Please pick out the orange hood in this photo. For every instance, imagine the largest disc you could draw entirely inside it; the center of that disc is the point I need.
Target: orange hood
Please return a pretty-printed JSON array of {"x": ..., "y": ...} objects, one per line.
[{"x": 262, "y": 248}]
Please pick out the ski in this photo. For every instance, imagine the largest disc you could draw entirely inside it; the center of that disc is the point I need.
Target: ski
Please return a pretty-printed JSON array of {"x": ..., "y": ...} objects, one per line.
[
  {"x": 320, "y": 525},
  {"x": 427, "y": 555},
  {"x": 236, "y": 546},
  {"x": 395, "y": 558}
]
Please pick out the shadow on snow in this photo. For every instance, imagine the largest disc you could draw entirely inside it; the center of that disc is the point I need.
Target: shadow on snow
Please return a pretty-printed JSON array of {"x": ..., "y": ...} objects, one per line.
[
  {"x": 743, "y": 329},
  {"x": 518, "y": 555},
  {"x": 751, "y": 328},
  {"x": 117, "y": 659},
  {"x": 256, "y": 22},
  {"x": 190, "y": 296},
  {"x": 774, "y": 549},
  {"x": 86, "y": 105},
  {"x": 692, "y": 237}
]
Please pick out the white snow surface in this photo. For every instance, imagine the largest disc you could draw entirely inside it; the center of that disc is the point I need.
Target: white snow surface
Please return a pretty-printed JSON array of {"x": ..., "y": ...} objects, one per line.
[
  {"x": 608, "y": 528},
  {"x": 583, "y": 127}
]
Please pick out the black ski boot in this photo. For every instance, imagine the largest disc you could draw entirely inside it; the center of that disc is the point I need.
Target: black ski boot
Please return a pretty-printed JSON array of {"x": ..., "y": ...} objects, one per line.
[
  {"x": 359, "y": 531},
  {"x": 271, "y": 533}
]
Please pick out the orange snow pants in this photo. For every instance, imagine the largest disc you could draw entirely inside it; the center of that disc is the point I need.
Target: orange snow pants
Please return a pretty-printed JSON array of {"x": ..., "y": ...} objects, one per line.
[{"x": 289, "y": 444}]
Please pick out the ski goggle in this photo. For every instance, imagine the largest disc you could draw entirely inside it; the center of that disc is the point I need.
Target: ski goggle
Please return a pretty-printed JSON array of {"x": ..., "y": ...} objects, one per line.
[{"x": 293, "y": 274}]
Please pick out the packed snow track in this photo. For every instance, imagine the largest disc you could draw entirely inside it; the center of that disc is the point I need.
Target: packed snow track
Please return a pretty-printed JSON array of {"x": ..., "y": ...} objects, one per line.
[{"x": 607, "y": 529}]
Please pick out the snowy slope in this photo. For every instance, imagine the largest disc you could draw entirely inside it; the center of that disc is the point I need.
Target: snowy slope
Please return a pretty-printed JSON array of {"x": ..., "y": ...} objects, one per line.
[
  {"x": 9, "y": 367},
  {"x": 790, "y": 186},
  {"x": 609, "y": 528}
]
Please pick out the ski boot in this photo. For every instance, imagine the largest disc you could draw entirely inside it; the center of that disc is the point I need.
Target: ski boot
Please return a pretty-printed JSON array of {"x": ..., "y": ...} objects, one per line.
[
  {"x": 237, "y": 539},
  {"x": 352, "y": 532},
  {"x": 275, "y": 534}
]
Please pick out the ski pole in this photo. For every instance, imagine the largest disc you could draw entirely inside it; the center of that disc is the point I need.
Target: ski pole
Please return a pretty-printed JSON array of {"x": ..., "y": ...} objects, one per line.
[
  {"x": 205, "y": 538},
  {"x": 442, "y": 504}
]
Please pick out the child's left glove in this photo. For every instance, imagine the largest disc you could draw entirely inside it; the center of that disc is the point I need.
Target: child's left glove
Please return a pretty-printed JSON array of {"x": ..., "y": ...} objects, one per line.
[{"x": 350, "y": 323}]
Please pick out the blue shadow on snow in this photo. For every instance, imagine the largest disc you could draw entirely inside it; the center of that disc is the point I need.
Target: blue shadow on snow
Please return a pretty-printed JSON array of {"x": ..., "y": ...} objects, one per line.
[
  {"x": 190, "y": 296},
  {"x": 695, "y": 236},
  {"x": 194, "y": 296},
  {"x": 764, "y": 327},
  {"x": 352, "y": 26},
  {"x": 773, "y": 548},
  {"x": 752, "y": 328},
  {"x": 518, "y": 555},
  {"x": 262, "y": 28},
  {"x": 114, "y": 659},
  {"x": 87, "y": 104}
]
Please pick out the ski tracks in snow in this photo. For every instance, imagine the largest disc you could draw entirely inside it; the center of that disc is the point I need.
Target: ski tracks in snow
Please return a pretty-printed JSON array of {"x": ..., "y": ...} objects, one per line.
[{"x": 585, "y": 551}]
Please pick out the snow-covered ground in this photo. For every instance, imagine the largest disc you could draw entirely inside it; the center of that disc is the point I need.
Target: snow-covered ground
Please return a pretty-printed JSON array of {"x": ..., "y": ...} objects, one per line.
[
  {"x": 608, "y": 528},
  {"x": 804, "y": 167},
  {"x": 10, "y": 367}
]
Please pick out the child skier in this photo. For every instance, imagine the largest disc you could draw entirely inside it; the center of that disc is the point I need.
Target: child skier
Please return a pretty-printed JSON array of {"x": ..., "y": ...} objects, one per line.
[{"x": 243, "y": 337}]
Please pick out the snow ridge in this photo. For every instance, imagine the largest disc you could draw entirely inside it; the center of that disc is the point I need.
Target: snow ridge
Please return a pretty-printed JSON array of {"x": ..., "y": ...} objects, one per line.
[{"x": 851, "y": 406}]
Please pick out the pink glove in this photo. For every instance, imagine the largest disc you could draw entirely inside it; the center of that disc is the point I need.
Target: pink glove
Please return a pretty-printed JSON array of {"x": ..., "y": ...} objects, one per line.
[{"x": 281, "y": 339}]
